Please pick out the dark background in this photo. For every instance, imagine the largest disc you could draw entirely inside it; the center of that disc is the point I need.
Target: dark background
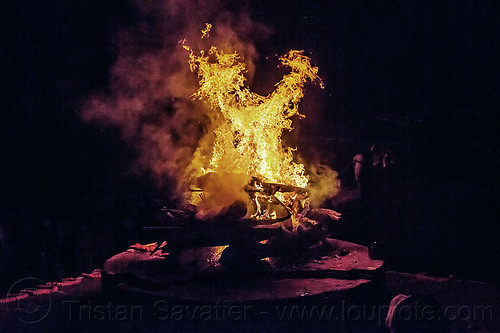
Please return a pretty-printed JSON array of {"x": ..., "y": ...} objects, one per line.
[{"x": 422, "y": 78}]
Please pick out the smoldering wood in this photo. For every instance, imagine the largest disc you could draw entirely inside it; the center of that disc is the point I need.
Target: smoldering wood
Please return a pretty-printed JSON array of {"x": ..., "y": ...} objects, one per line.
[{"x": 183, "y": 229}]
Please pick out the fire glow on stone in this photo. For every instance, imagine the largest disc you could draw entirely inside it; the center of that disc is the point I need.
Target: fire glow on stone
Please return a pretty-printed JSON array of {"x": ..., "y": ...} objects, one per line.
[{"x": 248, "y": 127}]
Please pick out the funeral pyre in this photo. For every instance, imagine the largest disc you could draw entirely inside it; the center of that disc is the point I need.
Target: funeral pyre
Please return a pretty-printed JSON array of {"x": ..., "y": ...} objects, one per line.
[{"x": 245, "y": 188}]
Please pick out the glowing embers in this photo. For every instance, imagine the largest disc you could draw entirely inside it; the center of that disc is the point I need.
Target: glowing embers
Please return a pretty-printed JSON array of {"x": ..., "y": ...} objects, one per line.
[{"x": 265, "y": 206}]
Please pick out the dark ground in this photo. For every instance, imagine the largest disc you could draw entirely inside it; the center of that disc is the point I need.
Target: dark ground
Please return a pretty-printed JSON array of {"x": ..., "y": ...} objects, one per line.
[{"x": 467, "y": 306}]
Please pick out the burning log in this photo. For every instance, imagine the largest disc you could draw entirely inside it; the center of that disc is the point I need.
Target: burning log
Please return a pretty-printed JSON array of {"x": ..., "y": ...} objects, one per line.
[
  {"x": 323, "y": 215},
  {"x": 250, "y": 238}
]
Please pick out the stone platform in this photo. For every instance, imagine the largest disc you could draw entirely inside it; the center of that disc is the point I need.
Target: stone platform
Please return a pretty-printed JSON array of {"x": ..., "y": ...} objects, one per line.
[{"x": 197, "y": 275}]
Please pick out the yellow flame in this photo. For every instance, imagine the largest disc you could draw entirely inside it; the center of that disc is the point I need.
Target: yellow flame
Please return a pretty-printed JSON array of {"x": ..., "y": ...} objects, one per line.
[
  {"x": 246, "y": 135},
  {"x": 249, "y": 140},
  {"x": 205, "y": 32}
]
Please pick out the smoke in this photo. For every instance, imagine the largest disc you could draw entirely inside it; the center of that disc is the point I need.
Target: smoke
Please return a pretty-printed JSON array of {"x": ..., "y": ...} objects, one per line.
[
  {"x": 149, "y": 96},
  {"x": 220, "y": 190},
  {"x": 323, "y": 184}
]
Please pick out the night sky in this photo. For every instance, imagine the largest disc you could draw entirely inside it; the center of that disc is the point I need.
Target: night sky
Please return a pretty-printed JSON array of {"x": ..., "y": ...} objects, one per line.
[{"x": 422, "y": 78}]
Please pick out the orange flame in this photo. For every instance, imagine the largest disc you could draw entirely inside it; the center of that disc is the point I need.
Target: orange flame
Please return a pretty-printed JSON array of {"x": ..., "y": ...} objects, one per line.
[{"x": 247, "y": 136}]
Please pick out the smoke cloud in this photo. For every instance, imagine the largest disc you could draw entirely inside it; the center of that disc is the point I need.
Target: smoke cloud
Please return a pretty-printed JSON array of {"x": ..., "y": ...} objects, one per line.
[
  {"x": 323, "y": 184},
  {"x": 149, "y": 97}
]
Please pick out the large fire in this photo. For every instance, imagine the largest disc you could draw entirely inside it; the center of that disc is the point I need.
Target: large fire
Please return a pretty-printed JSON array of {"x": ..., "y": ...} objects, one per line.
[
  {"x": 197, "y": 128},
  {"x": 246, "y": 140}
]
